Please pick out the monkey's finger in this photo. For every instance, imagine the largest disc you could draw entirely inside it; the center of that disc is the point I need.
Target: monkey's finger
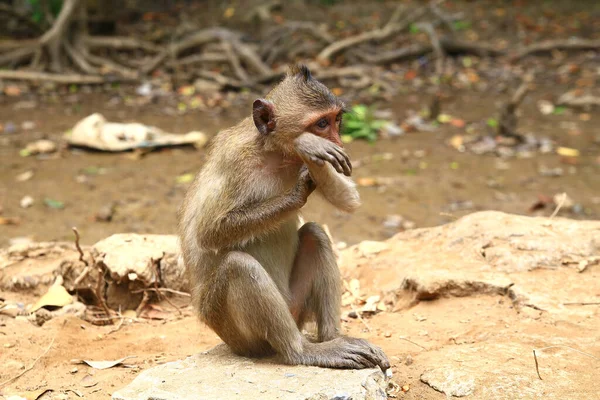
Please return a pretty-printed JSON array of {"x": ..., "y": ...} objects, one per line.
[
  {"x": 335, "y": 163},
  {"x": 320, "y": 162},
  {"x": 344, "y": 160},
  {"x": 363, "y": 361}
]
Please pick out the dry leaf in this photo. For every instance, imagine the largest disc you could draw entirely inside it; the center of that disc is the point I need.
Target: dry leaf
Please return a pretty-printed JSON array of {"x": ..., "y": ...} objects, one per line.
[
  {"x": 9, "y": 221},
  {"x": 457, "y": 141},
  {"x": 106, "y": 364},
  {"x": 88, "y": 381},
  {"x": 567, "y": 152},
  {"x": 25, "y": 176},
  {"x": 56, "y": 296}
]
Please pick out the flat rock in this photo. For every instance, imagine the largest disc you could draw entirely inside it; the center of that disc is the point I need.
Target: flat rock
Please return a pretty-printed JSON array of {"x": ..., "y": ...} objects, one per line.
[
  {"x": 129, "y": 255},
  {"x": 219, "y": 374}
]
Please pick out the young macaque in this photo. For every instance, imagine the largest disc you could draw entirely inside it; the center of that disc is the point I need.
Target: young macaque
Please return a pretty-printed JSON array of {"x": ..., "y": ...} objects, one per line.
[{"x": 256, "y": 278}]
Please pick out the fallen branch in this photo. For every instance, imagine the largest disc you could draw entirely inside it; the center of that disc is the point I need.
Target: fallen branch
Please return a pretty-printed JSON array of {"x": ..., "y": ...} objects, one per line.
[
  {"x": 549, "y": 45},
  {"x": 167, "y": 290},
  {"x": 49, "y": 77},
  {"x": 234, "y": 61},
  {"x": 14, "y": 378},
  {"x": 377, "y": 34},
  {"x": 120, "y": 43},
  {"x": 436, "y": 45},
  {"x": 571, "y": 100},
  {"x": 447, "y": 44}
]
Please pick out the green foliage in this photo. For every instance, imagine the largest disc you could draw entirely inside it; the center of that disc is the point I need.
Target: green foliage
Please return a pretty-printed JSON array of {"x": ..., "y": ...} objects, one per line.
[
  {"x": 461, "y": 25},
  {"x": 37, "y": 12},
  {"x": 361, "y": 124}
]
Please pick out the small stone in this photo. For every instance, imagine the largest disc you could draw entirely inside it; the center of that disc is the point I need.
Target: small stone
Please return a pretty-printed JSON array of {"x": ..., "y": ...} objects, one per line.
[
  {"x": 449, "y": 381},
  {"x": 393, "y": 221},
  {"x": 28, "y": 125},
  {"x": 409, "y": 360},
  {"x": 26, "y": 202},
  {"x": 25, "y": 176},
  {"x": 41, "y": 147}
]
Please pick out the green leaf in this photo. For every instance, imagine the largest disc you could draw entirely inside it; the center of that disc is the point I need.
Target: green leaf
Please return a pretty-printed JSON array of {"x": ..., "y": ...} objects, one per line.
[
  {"x": 54, "y": 203},
  {"x": 461, "y": 25},
  {"x": 414, "y": 28},
  {"x": 347, "y": 139},
  {"x": 559, "y": 110},
  {"x": 24, "y": 153},
  {"x": 185, "y": 178},
  {"x": 492, "y": 122}
]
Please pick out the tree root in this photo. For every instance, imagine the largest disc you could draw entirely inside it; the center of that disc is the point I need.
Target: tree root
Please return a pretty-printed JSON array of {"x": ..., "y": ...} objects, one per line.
[
  {"x": 549, "y": 45},
  {"x": 57, "y": 78}
]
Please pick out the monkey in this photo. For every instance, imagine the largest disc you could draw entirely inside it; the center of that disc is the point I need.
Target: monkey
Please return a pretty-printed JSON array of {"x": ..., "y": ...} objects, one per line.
[{"x": 256, "y": 276}]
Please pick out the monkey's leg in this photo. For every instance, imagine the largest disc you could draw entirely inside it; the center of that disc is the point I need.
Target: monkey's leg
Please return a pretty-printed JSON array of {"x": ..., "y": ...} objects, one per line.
[
  {"x": 315, "y": 282},
  {"x": 254, "y": 319}
]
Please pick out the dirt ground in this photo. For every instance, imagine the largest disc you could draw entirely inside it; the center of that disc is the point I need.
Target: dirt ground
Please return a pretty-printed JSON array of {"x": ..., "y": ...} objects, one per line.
[{"x": 431, "y": 183}]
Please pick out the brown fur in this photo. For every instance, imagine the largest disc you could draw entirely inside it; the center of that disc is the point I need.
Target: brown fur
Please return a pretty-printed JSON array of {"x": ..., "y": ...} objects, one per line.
[{"x": 256, "y": 279}]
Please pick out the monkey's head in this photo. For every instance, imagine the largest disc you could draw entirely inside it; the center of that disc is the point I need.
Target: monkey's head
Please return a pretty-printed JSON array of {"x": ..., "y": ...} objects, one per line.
[{"x": 298, "y": 104}]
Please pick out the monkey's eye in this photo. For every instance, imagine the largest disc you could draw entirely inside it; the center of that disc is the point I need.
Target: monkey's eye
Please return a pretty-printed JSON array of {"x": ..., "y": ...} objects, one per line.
[{"x": 323, "y": 123}]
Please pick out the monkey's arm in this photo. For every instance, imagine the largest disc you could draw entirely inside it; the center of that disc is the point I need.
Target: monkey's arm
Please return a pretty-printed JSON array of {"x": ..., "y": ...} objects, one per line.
[
  {"x": 317, "y": 150},
  {"x": 247, "y": 221},
  {"x": 321, "y": 157}
]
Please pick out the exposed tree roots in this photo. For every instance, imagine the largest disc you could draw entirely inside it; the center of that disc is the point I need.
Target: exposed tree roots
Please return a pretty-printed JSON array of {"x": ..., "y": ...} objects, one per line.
[{"x": 66, "y": 53}]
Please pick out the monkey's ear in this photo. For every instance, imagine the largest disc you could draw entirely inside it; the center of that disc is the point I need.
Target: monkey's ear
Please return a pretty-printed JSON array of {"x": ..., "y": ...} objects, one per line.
[{"x": 263, "y": 113}]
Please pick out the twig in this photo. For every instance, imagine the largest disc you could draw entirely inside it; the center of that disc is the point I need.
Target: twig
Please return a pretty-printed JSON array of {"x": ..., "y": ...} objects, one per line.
[
  {"x": 410, "y": 341},
  {"x": 155, "y": 264},
  {"x": 177, "y": 292},
  {"x": 592, "y": 303},
  {"x": 361, "y": 319},
  {"x": 79, "y": 247},
  {"x": 559, "y": 346},
  {"x": 537, "y": 367},
  {"x": 561, "y": 202},
  {"x": 14, "y": 378},
  {"x": 113, "y": 330},
  {"x": 549, "y": 45},
  {"x": 142, "y": 304},
  {"x": 100, "y": 289}
]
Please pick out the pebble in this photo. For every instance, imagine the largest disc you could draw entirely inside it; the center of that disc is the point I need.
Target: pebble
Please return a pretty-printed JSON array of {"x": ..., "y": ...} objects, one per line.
[{"x": 26, "y": 202}]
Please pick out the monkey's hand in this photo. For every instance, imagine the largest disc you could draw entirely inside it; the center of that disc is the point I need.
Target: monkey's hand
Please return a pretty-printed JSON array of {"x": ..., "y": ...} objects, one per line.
[
  {"x": 304, "y": 187},
  {"x": 314, "y": 149}
]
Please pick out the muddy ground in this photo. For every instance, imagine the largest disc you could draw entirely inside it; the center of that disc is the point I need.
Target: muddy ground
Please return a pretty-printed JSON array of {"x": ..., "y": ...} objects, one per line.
[{"x": 431, "y": 182}]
